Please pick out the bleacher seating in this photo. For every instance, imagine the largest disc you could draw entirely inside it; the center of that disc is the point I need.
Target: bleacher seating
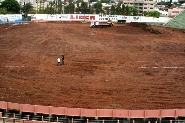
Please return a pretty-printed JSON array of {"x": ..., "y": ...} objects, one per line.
[{"x": 178, "y": 21}]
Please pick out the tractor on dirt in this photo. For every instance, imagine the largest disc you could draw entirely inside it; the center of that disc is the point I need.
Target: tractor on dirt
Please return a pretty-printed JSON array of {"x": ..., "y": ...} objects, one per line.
[{"x": 101, "y": 25}]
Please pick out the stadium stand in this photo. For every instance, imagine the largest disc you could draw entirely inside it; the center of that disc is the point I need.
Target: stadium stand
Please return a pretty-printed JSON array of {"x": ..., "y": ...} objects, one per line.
[
  {"x": 178, "y": 21},
  {"x": 26, "y": 113}
]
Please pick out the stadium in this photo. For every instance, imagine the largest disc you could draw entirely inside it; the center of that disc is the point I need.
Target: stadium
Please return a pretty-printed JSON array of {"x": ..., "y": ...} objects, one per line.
[{"x": 131, "y": 72}]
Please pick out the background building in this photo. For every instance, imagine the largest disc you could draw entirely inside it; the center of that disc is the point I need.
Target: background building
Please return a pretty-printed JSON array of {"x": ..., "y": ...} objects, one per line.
[{"x": 141, "y": 5}]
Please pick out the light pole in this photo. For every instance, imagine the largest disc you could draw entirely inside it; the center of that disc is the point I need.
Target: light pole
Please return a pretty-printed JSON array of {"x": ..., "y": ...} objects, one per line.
[{"x": 36, "y": 6}]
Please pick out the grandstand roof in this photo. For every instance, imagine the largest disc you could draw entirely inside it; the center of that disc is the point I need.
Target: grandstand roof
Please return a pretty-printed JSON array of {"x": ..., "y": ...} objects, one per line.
[{"x": 178, "y": 21}]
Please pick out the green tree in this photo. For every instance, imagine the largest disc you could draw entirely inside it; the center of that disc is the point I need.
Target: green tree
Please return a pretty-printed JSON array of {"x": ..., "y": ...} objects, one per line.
[
  {"x": 123, "y": 9},
  {"x": 77, "y": 9},
  {"x": 133, "y": 11},
  {"x": 127, "y": 10},
  {"x": 98, "y": 7},
  {"x": 91, "y": 10},
  {"x": 70, "y": 8},
  {"x": 153, "y": 14},
  {"x": 169, "y": 4},
  {"x": 27, "y": 8},
  {"x": 161, "y": 3},
  {"x": 145, "y": 13},
  {"x": 78, "y": 1},
  {"x": 105, "y": 1},
  {"x": 33, "y": 11},
  {"x": 49, "y": 8},
  {"x": 84, "y": 5},
  {"x": 60, "y": 6},
  {"x": 92, "y": 1},
  {"x": 83, "y": 8},
  {"x": 112, "y": 10},
  {"x": 3, "y": 11},
  {"x": 118, "y": 10},
  {"x": 107, "y": 11},
  {"x": 181, "y": 1},
  {"x": 175, "y": 3},
  {"x": 12, "y": 6}
]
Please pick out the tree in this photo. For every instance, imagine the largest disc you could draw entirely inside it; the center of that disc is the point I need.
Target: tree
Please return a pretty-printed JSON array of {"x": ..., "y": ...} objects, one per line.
[
  {"x": 127, "y": 10},
  {"x": 83, "y": 8},
  {"x": 12, "y": 6},
  {"x": 98, "y": 7},
  {"x": 169, "y": 4},
  {"x": 78, "y": 1},
  {"x": 77, "y": 9},
  {"x": 84, "y": 5},
  {"x": 118, "y": 10},
  {"x": 60, "y": 6},
  {"x": 112, "y": 10},
  {"x": 181, "y": 1},
  {"x": 145, "y": 13},
  {"x": 3, "y": 11},
  {"x": 161, "y": 3},
  {"x": 133, "y": 11},
  {"x": 105, "y": 1},
  {"x": 70, "y": 8},
  {"x": 123, "y": 9},
  {"x": 91, "y": 10},
  {"x": 49, "y": 8},
  {"x": 92, "y": 1},
  {"x": 27, "y": 8},
  {"x": 153, "y": 14},
  {"x": 107, "y": 11},
  {"x": 33, "y": 11}
]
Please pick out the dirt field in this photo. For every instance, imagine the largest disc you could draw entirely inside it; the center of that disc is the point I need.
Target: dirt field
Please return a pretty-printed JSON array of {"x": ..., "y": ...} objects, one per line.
[{"x": 121, "y": 67}]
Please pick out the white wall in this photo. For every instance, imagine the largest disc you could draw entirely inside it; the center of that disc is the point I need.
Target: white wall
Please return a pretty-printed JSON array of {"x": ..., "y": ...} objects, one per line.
[
  {"x": 11, "y": 17},
  {"x": 85, "y": 17}
]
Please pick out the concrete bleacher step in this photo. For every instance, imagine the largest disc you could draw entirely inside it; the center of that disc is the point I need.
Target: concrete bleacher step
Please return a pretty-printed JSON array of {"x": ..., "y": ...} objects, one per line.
[
  {"x": 26, "y": 117},
  {"x": 18, "y": 116},
  {"x": 49, "y": 119},
  {"x": 79, "y": 120},
  {"x": 8, "y": 114},
  {"x": 36, "y": 117},
  {"x": 95, "y": 122},
  {"x": 60, "y": 119}
]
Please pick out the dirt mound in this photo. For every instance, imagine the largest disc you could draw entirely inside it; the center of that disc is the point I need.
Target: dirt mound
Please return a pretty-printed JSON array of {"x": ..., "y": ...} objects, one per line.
[
  {"x": 121, "y": 67},
  {"x": 145, "y": 27}
]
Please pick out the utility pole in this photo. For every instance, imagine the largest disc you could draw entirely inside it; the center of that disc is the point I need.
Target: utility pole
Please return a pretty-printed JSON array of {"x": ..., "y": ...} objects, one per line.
[{"x": 36, "y": 6}]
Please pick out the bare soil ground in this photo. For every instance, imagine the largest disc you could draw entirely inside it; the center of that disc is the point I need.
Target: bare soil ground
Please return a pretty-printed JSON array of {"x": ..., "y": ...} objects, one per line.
[{"x": 120, "y": 67}]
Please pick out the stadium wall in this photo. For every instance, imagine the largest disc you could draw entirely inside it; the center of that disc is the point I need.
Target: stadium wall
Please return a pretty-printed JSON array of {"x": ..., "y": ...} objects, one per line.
[
  {"x": 96, "y": 17},
  {"x": 81, "y": 112},
  {"x": 11, "y": 18},
  {"x": 84, "y": 17}
]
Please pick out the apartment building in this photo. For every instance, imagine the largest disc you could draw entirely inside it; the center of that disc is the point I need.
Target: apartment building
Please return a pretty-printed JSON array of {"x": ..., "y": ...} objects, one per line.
[{"x": 141, "y": 5}]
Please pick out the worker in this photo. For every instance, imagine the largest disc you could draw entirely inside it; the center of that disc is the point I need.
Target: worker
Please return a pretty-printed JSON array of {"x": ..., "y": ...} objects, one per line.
[
  {"x": 58, "y": 60},
  {"x": 62, "y": 59}
]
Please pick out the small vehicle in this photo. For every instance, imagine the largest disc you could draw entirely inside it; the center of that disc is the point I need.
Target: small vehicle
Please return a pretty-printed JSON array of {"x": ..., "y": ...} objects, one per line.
[{"x": 101, "y": 25}]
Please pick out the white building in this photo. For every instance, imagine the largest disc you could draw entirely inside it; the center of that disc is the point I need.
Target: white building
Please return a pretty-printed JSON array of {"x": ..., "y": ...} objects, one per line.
[
  {"x": 163, "y": 13},
  {"x": 141, "y": 5}
]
